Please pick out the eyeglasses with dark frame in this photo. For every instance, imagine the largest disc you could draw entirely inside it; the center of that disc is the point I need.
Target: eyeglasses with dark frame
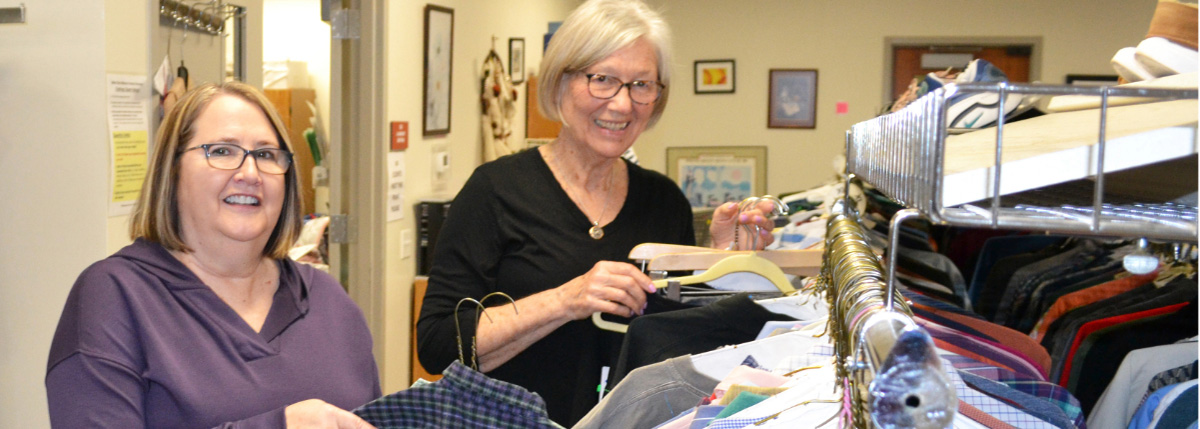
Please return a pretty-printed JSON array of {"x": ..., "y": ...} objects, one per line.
[
  {"x": 227, "y": 156},
  {"x": 604, "y": 87}
]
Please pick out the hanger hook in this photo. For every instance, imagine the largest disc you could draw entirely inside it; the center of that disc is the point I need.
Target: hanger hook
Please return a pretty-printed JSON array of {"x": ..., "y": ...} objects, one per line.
[
  {"x": 505, "y": 296},
  {"x": 778, "y": 209},
  {"x": 458, "y": 331}
]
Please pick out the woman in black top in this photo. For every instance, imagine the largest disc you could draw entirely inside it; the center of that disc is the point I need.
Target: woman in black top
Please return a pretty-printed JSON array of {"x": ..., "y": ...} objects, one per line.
[{"x": 551, "y": 227}]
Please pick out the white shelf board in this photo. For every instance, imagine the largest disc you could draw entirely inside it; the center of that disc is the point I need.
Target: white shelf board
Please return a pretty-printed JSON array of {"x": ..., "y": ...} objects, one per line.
[{"x": 1061, "y": 147}]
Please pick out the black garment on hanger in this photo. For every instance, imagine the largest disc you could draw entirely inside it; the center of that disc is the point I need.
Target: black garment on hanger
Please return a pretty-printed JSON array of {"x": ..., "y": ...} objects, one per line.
[
  {"x": 937, "y": 268},
  {"x": 658, "y": 337},
  {"x": 1041, "y": 301},
  {"x": 1102, "y": 361},
  {"x": 1002, "y": 271},
  {"x": 1062, "y": 332},
  {"x": 1021, "y": 284}
]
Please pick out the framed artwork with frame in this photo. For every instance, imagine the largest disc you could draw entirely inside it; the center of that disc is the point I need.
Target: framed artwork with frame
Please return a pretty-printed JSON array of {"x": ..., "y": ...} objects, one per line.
[
  {"x": 439, "y": 54},
  {"x": 712, "y": 175},
  {"x": 792, "y": 99},
  {"x": 516, "y": 59},
  {"x": 715, "y": 76}
]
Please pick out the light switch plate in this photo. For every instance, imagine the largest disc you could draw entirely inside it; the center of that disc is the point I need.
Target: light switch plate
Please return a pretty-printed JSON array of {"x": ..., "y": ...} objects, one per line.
[{"x": 406, "y": 243}]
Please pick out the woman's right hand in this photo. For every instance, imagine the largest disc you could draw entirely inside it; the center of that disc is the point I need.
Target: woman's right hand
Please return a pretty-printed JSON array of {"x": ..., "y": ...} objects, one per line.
[
  {"x": 617, "y": 288},
  {"x": 315, "y": 413}
]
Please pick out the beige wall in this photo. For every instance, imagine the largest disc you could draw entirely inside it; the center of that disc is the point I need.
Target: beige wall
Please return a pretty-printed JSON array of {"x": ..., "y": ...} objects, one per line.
[
  {"x": 475, "y": 22},
  {"x": 844, "y": 41},
  {"x": 52, "y": 206}
]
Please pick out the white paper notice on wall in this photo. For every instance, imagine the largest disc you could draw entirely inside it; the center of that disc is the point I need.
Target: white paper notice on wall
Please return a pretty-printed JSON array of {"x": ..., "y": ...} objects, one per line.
[
  {"x": 395, "y": 172},
  {"x": 129, "y": 139}
]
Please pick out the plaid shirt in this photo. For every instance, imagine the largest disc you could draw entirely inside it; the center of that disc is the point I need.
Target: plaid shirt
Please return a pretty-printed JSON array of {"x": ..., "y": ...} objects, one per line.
[
  {"x": 463, "y": 398},
  {"x": 1051, "y": 392}
]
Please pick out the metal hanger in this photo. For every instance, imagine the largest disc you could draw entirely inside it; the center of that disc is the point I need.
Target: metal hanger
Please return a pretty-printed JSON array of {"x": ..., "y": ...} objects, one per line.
[
  {"x": 458, "y": 332},
  {"x": 481, "y": 310}
]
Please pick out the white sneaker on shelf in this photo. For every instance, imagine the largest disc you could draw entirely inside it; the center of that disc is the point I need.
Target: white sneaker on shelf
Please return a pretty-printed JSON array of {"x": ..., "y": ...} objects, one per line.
[
  {"x": 1162, "y": 57},
  {"x": 1128, "y": 67},
  {"x": 981, "y": 109}
]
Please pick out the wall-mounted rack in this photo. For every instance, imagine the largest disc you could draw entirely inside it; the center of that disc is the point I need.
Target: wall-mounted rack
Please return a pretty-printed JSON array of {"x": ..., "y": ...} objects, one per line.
[{"x": 209, "y": 17}]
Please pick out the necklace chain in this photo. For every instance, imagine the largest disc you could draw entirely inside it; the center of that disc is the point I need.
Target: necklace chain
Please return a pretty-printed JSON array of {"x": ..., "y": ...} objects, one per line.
[{"x": 596, "y": 231}]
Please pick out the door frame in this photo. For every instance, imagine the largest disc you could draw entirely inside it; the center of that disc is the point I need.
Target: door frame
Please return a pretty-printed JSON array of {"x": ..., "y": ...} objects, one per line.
[
  {"x": 357, "y": 177},
  {"x": 889, "y": 43}
]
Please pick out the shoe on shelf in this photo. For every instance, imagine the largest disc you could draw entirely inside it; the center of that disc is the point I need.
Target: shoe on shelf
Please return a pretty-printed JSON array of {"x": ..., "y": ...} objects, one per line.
[
  {"x": 1162, "y": 57},
  {"x": 1127, "y": 66},
  {"x": 979, "y": 109},
  {"x": 923, "y": 85}
]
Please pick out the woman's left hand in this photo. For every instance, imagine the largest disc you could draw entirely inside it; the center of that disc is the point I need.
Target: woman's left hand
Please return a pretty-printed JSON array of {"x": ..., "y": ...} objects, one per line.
[{"x": 726, "y": 219}]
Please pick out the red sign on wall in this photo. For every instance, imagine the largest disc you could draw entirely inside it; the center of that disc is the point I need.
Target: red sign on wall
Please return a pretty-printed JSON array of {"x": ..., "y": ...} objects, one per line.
[{"x": 399, "y": 135}]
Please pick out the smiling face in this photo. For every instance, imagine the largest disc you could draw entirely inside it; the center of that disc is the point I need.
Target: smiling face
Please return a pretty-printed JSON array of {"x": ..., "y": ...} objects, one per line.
[
  {"x": 607, "y": 127},
  {"x": 220, "y": 207}
]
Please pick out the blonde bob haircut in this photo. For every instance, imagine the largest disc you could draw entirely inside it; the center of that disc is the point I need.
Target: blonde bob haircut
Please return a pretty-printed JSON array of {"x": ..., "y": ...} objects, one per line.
[
  {"x": 156, "y": 215},
  {"x": 592, "y": 32}
]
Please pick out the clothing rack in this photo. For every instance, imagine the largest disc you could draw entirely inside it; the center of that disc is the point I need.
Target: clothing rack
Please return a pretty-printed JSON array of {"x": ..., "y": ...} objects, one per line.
[
  {"x": 867, "y": 319},
  {"x": 904, "y": 155}
]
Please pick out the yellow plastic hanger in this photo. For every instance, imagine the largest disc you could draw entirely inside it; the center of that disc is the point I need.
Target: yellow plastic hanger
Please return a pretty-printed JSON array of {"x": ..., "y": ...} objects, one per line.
[{"x": 741, "y": 263}]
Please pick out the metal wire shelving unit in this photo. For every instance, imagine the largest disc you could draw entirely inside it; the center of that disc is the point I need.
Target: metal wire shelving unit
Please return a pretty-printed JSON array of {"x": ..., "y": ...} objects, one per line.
[{"x": 903, "y": 154}]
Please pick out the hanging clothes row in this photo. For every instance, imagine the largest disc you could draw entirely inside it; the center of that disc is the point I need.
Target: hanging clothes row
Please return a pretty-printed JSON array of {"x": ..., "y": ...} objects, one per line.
[
  {"x": 1067, "y": 303},
  {"x": 1075, "y": 297},
  {"x": 795, "y": 360}
]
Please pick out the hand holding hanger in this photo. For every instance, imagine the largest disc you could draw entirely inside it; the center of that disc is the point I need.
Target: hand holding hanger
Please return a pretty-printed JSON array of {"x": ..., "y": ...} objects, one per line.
[
  {"x": 728, "y": 216},
  {"x": 616, "y": 288}
]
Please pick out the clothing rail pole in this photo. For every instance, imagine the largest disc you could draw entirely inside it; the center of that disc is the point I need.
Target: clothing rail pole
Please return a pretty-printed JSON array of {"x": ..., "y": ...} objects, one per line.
[
  {"x": 849, "y": 169},
  {"x": 999, "y": 157},
  {"x": 1098, "y": 193},
  {"x": 893, "y": 251}
]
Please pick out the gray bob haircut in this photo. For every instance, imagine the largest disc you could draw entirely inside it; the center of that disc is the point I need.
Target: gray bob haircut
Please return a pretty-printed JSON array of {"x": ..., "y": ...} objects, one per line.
[{"x": 595, "y": 30}]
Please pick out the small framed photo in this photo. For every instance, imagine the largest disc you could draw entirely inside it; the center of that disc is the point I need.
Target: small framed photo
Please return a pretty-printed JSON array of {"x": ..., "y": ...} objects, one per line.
[
  {"x": 792, "y": 102},
  {"x": 713, "y": 175},
  {"x": 516, "y": 59},
  {"x": 439, "y": 51},
  {"x": 715, "y": 76}
]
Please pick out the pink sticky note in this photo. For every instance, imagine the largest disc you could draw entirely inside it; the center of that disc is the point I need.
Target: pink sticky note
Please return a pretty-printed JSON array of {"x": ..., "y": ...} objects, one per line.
[{"x": 843, "y": 107}]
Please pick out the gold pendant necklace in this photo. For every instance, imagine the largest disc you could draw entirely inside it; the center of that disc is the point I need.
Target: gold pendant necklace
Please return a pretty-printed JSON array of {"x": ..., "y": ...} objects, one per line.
[{"x": 596, "y": 231}]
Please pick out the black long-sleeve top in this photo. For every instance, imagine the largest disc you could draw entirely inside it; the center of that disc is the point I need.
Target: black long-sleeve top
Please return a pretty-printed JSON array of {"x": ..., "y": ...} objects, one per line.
[{"x": 513, "y": 229}]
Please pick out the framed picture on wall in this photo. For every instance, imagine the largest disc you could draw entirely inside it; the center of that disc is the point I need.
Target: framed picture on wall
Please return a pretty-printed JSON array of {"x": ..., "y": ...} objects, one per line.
[
  {"x": 439, "y": 52},
  {"x": 792, "y": 100},
  {"x": 714, "y": 76},
  {"x": 713, "y": 175},
  {"x": 516, "y": 59}
]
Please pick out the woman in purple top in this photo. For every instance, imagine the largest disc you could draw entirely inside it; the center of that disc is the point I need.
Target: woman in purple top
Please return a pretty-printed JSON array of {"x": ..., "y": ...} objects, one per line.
[{"x": 203, "y": 321}]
